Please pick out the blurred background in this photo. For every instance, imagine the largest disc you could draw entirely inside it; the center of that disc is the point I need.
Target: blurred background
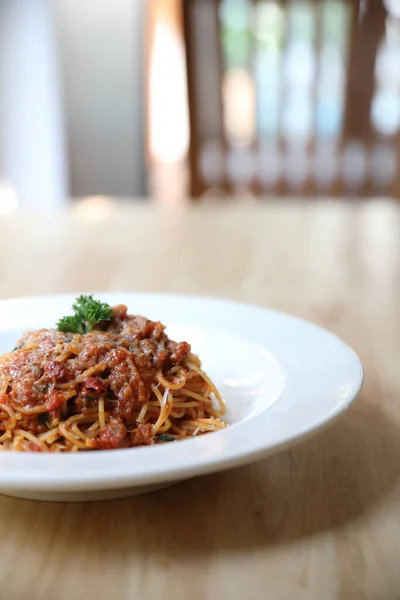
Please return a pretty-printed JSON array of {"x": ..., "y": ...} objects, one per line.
[{"x": 181, "y": 100}]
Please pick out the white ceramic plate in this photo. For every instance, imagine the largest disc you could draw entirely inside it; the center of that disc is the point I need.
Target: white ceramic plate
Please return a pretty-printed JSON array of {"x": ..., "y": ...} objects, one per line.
[{"x": 282, "y": 379}]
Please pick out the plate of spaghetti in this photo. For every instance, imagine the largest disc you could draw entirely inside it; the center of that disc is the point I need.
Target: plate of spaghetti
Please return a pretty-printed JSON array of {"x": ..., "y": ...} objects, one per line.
[{"x": 99, "y": 401}]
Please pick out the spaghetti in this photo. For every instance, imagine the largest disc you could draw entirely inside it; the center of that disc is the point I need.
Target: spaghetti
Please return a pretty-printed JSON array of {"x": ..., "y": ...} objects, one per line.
[{"x": 122, "y": 384}]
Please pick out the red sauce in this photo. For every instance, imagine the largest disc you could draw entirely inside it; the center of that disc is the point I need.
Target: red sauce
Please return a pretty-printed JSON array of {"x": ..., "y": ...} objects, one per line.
[{"x": 44, "y": 372}]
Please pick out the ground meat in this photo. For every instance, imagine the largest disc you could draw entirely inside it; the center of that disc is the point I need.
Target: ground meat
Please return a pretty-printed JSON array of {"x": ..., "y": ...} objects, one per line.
[
  {"x": 142, "y": 435},
  {"x": 122, "y": 355},
  {"x": 113, "y": 435},
  {"x": 179, "y": 352},
  {"x": 33, "y": 425},
  {"x": 123, "y": 381},
  {"x": 94, "y": 351},
  {"x": 120, "y": 311},
  {"x": 56, "y": 400},
  {"x": 95, "y": 384},
  {"x": 86, "y": 405},
  {"x": 57, "y": 371}
]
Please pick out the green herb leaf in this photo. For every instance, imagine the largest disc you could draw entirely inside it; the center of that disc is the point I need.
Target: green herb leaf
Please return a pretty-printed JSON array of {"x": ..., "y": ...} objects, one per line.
[
  {"x": 74, "y": 324},
  {"x": 21, "y": 345},
  {"x": 88, "y": 313},
  {"x": 42, "y": 388},
  {"x": 165, "y": 437}
]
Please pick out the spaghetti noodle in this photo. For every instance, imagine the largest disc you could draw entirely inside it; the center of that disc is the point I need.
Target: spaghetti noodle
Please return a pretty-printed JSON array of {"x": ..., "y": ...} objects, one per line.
[{"x": 122, "y": 384}]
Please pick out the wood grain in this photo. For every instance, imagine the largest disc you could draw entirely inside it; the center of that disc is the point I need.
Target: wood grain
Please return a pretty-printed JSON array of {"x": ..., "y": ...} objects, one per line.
[{"x": 318, "y": 522}]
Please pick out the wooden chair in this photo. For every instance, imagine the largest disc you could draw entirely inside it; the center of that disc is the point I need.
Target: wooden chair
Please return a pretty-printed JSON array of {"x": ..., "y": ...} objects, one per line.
[{"x": 235, "y": 144}]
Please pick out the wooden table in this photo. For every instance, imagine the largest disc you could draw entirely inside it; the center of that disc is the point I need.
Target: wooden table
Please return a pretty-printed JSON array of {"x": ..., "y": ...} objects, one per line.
[{"x": 318, "y": 522}]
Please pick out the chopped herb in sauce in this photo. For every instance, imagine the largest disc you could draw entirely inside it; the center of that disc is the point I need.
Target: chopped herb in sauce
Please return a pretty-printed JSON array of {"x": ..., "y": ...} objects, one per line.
[
  {"x": 165, "y": 437},
  {"x": 43, "y": 418},
  {"x": 43, "y": 388}
]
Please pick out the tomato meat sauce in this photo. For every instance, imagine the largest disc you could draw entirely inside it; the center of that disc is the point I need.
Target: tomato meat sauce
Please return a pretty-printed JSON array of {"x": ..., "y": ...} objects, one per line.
[{"x": 52, "y": 375}]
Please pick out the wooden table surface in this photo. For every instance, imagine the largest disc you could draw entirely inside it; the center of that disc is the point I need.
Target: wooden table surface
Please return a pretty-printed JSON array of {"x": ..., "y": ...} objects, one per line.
[{"x": 318, "y": 522}]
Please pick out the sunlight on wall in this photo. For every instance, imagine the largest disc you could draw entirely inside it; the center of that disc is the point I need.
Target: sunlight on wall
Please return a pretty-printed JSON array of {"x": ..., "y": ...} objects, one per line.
[
  {"x": 8, "y": 198},
  {"x": 94, "y": 208},
  {"x": 169, "y": 120}
]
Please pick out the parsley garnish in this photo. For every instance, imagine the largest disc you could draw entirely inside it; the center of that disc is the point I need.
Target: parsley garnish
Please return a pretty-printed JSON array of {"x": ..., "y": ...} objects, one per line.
[{"x": 88, "y": 313}]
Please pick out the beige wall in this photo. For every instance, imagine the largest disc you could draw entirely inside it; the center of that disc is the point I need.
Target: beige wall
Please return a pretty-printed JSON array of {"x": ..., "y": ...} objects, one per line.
[
  {"x": 101, "y": 54},
  {"x": 33, "y": 169}
]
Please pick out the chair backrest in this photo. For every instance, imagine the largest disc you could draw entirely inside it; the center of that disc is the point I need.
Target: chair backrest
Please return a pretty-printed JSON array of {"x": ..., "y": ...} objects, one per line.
[{"x": 293, "y": 96}]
